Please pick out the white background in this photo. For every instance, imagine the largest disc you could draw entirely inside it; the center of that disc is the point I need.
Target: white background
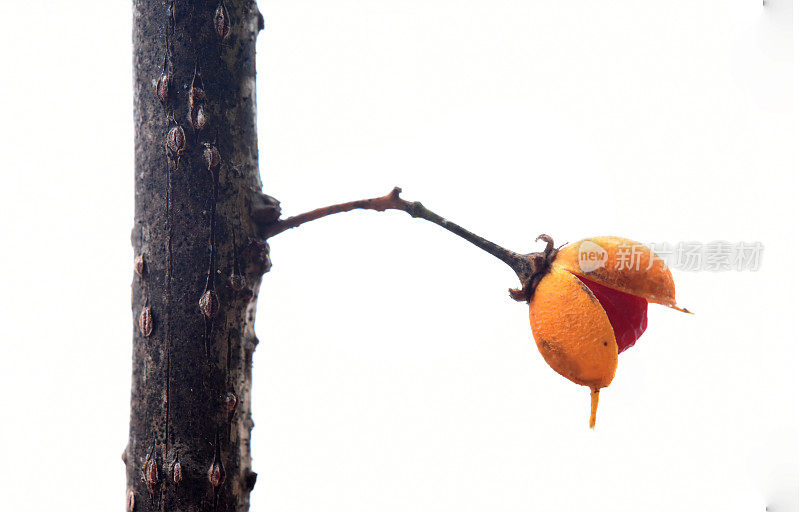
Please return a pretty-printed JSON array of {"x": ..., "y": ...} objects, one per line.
[{"x": 396, "y": 375}]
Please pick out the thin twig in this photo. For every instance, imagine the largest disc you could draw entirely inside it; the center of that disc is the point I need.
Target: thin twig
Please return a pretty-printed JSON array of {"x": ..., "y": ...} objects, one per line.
[{"x": 520, "y": 263}]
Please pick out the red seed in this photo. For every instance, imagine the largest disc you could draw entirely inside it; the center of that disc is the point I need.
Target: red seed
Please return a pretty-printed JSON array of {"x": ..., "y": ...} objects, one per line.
[{"x": 627, "y": 313}]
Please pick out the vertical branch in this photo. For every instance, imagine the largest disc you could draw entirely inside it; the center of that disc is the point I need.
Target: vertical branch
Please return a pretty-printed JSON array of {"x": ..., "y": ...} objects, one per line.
[{"x": 194, "y": 65}]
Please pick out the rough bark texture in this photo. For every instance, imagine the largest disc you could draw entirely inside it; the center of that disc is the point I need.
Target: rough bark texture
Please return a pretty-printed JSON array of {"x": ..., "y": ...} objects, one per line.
[{"x": 197, "y": 235}]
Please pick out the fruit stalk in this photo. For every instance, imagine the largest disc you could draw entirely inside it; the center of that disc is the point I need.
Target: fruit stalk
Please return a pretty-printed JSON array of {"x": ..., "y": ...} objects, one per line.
[
  {"x": 593, "y": 413},
  {"x": 520, "y": 263}
]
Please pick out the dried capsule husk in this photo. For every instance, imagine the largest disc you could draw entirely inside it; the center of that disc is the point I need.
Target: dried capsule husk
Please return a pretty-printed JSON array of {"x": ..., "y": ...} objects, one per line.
[
  {"x": 177, "y": 472},
  {"x": 212, "y": 157},
  {"x": 130, "y": 501},
  {"x": 176, "y": 140},
  {"x": 231, "y": 402},
  {"x": 209, "y": 304},
  {"x": 150, "y": 472},
  {"x": 162, "y": 88},
  {"x": 146, "y": 321},
  {"x": 216, "y": 474},
  {"x": 138, "y": 265},
  {"x": 222, "y": 21}
]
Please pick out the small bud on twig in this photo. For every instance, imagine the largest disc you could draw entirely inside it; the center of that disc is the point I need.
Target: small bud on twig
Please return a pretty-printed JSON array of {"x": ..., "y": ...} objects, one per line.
[
  {"x": 162, "y": 88},
  {"x": 250, "y": 480},
  {"x": 211, "y": 154},
  {"x": 130, "y": 501},
  {"x": 146, "y": 322},
  {"x": 150, "y": 472},
  {"x": 231, "y": 402},
  {"x": 216, "y": 474},
  {"x": 209, "y": 303},
  {"x": 176, "y": 140},
  {"x": 198, "y": 118},
  {"x": 238, "y": 282},
  {"x": 222, "y": 21},
  {"x": 138, "y": 265},
  {"x": 265, "y": 210},
  {"x": 197, "y": 96},
  {"x": 177, "y": 472}
]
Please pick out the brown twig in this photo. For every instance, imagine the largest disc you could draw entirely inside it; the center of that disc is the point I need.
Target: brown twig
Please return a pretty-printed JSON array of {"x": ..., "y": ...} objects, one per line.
[{"x": 526, "y": 266}]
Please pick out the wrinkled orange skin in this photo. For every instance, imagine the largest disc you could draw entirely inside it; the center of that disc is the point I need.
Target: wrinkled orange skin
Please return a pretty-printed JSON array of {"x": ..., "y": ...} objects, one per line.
[
  {"x": 652, "y": 280},
  {"x": 571, "y": 328}
]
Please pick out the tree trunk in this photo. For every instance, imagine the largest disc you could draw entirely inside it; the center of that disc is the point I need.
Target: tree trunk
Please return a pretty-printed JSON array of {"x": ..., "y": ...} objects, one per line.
[{"x": 200, "y": 253}]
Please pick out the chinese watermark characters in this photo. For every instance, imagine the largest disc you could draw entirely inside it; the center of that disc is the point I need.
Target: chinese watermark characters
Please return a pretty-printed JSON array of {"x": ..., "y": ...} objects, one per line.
[{"x": 716, "y": 256}]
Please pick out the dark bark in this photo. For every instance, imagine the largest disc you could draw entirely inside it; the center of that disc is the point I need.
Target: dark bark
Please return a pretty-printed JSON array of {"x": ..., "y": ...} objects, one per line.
[{"x": 199, "y": 248}]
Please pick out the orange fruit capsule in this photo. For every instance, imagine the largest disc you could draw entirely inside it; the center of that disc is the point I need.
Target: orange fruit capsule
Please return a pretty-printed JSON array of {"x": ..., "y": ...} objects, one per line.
[
  {"x": 591, "y": 304},
  {"x": 621, "y": 264}
]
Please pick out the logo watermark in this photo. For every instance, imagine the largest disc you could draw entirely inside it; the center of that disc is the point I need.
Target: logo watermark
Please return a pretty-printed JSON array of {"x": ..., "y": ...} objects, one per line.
[
  {"x": 591, "y": 256},
  {"x": 716, "y": 256}
]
